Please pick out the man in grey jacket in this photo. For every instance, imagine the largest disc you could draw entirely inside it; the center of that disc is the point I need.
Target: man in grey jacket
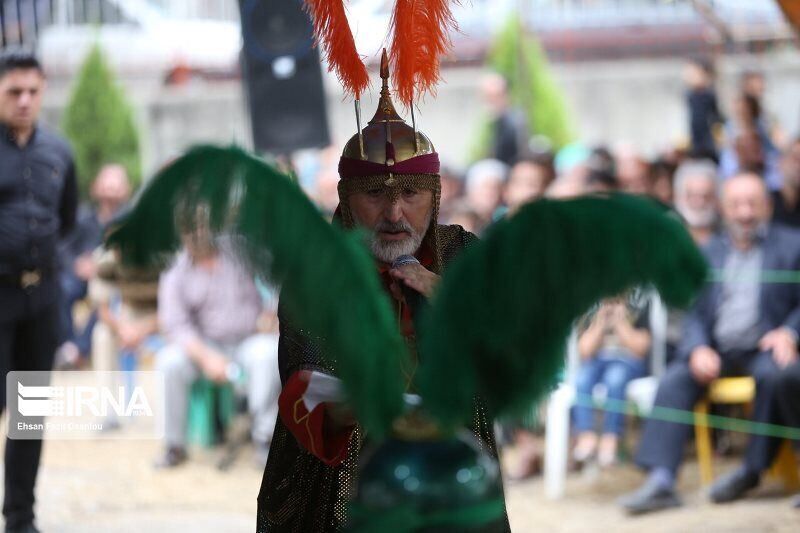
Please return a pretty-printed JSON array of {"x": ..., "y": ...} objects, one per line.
[{"x": 739, "y": 326}]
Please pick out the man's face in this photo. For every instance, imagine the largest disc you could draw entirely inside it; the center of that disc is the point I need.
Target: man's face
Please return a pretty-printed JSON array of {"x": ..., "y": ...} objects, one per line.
[
  {"x": 745, "y": 206},
  {"x": 111, "y": 188},
  {"x": 495, "y": 94},
  {"x": 485, "y": 195},
  {"x": 526, "y": 183},
  {"x": 199, "y": 243},
  {"x": 397, "y": 226},
  {"x": 695, "y": 77},
  {"x": 754, "y": 84},
  {"x": 451, "y": 188},
  {"x": 698, "y": 202},
  {"x": 21, "y": 98},
  {"x": 749, "y": 151},
  {"x": 632, "y": 174}
]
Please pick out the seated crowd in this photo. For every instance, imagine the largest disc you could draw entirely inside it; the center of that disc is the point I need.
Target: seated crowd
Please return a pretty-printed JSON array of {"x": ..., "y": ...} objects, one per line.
[{"x": 206, "y": 316}]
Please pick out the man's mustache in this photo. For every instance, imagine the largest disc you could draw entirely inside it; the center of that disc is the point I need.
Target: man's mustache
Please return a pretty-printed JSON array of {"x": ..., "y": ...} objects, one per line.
[{"x": 394, "y": 227}]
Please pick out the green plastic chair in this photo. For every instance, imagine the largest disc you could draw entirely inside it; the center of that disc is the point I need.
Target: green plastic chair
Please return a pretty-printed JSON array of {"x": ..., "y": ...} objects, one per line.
[{"x": 212, "y": 406}]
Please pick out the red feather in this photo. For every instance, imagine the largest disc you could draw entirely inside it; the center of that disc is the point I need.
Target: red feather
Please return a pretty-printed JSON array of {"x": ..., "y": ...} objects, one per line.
[
  {"x": 420, "y": 35},
  {"x": 333, "y": 32}
]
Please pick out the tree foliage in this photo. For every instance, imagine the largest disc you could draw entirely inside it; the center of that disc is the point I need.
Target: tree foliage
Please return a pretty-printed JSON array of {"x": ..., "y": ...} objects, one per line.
[
  {"x": 519, "y": 58},
  {"x": 99, "y": 123}
]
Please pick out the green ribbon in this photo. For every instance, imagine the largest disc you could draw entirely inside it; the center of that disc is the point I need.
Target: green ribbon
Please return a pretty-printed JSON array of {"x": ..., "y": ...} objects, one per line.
[
  {"x": 679, "y": 416},
  {"x": 405, "y": 518}
]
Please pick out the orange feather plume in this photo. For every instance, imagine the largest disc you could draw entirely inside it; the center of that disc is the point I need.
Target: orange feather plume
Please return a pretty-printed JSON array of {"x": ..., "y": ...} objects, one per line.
[
  {"x": 332, "y": 31},
  {"x": 420, "y": 35}
]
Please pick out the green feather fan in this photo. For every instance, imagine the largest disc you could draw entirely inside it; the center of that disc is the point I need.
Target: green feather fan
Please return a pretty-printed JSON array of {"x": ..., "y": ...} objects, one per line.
[
  {"x": 328, "y": 281},
  {"x": 498, "y": 324}
]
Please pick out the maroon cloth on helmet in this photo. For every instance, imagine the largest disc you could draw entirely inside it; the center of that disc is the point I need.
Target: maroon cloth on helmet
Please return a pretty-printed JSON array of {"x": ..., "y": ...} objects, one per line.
[{"x": 357, "y": 168}]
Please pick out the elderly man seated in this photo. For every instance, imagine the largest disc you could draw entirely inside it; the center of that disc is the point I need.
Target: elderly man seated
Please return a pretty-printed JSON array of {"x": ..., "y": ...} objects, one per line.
[
  {"x": 738, "y": 326},
  {"x": 110, "y": 191},
  {"x": 209, "y": 307}
]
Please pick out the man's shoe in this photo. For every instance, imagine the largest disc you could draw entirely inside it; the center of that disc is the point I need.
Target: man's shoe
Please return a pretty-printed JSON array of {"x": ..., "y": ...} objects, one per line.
[
  {"x": 733, "y": 485},
  {"x": 27, "y": 528},
  {"x": 648, "y": 498},
  {"x": 172, "y": 458}
]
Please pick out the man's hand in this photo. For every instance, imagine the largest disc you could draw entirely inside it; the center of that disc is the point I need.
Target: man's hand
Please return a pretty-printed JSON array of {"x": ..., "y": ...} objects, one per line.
[
  {"x": 704, "y": 364},
  {"x": 338, "y": 417},
  {"x": 85, "y": 267},
  {"x": 214, "y": 366},
  {"x": 603, "y": 316},
  {"x": 417, "y": 277},
  {"x": 130, "y": 335},
  {"x": 783, "y": 344}
]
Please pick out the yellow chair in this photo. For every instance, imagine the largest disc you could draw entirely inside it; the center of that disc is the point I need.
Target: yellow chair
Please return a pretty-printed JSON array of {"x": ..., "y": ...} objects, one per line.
[{"x": 736, "y": 391}]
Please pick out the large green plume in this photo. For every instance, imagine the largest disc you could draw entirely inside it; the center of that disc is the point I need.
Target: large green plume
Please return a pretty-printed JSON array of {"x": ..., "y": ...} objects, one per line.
[
  {"x": 327, "y": 278},
  {"x": 497, "y": 326}
]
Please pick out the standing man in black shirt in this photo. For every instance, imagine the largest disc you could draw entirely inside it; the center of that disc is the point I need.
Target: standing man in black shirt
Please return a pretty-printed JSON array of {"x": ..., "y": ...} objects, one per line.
[
  {"x": 38, "y": 198},
  {"x": 704, "y": 113},
  {"x": 509, "y": 128}
]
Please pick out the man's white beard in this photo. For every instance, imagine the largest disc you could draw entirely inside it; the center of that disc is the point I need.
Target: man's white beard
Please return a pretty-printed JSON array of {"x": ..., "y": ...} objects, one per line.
[
  {"x": 698, "y": 218},
  {"x": 388, "y": 251}
]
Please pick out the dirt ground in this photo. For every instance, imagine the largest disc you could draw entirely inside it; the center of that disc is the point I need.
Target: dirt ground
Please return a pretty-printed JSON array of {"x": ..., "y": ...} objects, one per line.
[{"x": 110, "y": 486}]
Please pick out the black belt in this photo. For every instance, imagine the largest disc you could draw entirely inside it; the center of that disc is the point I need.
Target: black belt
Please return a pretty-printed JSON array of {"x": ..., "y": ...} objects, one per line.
[{"x": 24, "y": 279}]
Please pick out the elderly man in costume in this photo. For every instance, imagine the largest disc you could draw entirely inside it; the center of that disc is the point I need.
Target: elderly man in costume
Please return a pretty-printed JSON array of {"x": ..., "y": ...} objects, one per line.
[
  {"x": 353, "y": 341},
  {"x": 390, "y": 187}
]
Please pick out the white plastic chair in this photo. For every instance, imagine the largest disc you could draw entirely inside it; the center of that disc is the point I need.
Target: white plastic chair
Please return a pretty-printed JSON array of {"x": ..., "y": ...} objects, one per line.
[{"x": 641, "y": 392}]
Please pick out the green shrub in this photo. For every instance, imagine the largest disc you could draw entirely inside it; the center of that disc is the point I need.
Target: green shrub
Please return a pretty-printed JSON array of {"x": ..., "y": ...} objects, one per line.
[
  {"x": 99, "y": 123},
  {"x": 519, "y": 58}
]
